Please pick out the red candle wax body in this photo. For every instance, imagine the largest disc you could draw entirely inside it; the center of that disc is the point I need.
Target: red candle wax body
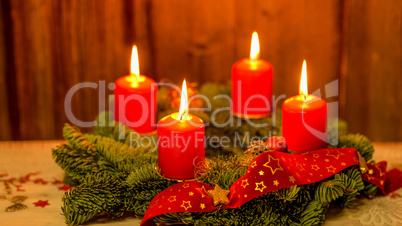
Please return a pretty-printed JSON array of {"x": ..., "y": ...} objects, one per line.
[
  {"x": 181, "y": 145},
  {"x": 304, "y": 123},
  {"x": 135, "y": 104},
  {"x": 252, "y": 88}
]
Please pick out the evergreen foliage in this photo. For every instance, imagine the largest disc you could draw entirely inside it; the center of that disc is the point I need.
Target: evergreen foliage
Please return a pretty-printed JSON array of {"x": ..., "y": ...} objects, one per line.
[
  {"x": 114, "y": 178},
  {"x": 114, "y": 175}
]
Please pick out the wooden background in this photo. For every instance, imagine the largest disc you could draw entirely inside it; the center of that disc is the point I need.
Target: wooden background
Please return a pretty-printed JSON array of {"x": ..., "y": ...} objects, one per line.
[{"x": 48, "y": 46}]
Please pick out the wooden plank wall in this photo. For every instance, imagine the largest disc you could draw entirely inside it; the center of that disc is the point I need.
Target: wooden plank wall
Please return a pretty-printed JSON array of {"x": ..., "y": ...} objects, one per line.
[
  {"x": 47, "y": 47},
  {"x": 372, "y": 68}
]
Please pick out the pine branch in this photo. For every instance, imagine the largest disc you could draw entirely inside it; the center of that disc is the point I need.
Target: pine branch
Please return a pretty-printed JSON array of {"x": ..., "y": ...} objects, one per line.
[{"x": 361, "y": 143}]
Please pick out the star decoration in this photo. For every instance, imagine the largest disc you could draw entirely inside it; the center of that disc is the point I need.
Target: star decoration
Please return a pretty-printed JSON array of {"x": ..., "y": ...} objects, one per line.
[
  {"x": 254, "y": 164},
  {"x": 201, "y": 190},
  {"x": 379, "y": 170},
  {"x": 273, "y": 165},
  {"x": 261, "y": 172},
  {"x": 300, "y": 166},
  {"x": 315, "y": 155},
  {"x": 219, "y": 195},
  {"x": 172, "y": 199},
  {"x": 343, "y": 164},
  {"x": 186, "y": 185},
  {"x": 326, "y": 160},
  {"x": 333, "y": 154},
  {"x": 292, "y": 179},
  {"x": 315, "y": 167},
  {"x": 381, "y": 182},
  {"x": 258, "y": 188},
  {"x": 202, "y": 206},
  {"x": 331, "y": 169},
  {"x": 186, "y": 205},
  {"x": 276, "y": 183},
  {"x": 64, "y": 188},
  {"x": 41, "y": 203},
  {"x": 191, "y": 193},
  {"x": 244, "y": 183}
]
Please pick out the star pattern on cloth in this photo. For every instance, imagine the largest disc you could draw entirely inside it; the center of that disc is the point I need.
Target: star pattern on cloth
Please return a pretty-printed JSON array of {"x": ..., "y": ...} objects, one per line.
[
  {"x": 273, "y": 165},
  {"x": 253, "y": 164},
  {"x": 260, "y": 186},
  {"x": 315, "y": 167},
  {"x": 219, "y": 195},
  {"x": 292, "y": 179},
  {"x": 267, "y": 172},
  {"x": 334, "y": 153},
  {"x": 300, "y": 166},
  {"x": 186, "y": 205},
  {"x": 172, "y": 199},
  {"x": 64, "y": 188},
  {"x": 41, "y": 203},
  {"x": 244, "y": 183},
  {"x": 331, "y": 169}
]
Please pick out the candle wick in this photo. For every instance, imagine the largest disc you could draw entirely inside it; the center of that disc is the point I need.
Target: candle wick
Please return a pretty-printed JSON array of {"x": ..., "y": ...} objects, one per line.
[
  {"x": 181, "y": 117},
  {"x": 304, "y": 96}
]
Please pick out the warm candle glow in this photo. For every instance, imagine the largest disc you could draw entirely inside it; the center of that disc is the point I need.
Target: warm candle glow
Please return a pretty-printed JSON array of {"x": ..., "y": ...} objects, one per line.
[
  {"x": 255, "y": 47},
  {"x": 135, "y": 68},
  {"x": 303, "y": 82},
  {"x": 183, "y": 101}
]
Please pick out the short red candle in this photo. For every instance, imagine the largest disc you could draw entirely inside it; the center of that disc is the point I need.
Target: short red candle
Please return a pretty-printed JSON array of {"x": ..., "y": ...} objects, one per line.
[
  {"x": 135, "y": 100},
  {"x": 304, "y": 122},
  {"x": 181, "y": 144},
  {"x": 252, "y": 85}
]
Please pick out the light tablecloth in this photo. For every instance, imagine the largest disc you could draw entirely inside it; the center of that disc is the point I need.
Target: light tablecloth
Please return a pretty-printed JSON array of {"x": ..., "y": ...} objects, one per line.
[{"x": 40, "y": 196}]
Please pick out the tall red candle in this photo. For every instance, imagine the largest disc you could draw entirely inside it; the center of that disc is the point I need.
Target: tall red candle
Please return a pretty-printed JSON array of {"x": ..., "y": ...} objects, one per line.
[
  {"x": 304, "y": 120},
  {"x": 252, "y": 84},
  {"x": 181, "y": 142},
  {"x": 135, "y": 99}
]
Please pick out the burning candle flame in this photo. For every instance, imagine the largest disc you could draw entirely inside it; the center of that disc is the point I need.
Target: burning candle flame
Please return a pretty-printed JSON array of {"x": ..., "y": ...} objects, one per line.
[
  {"x": 183, "y": 101},
  {"x": 255, "y": 47},
  {"x": 135, "y": 68},
  {"x": 303, "y": 82}
]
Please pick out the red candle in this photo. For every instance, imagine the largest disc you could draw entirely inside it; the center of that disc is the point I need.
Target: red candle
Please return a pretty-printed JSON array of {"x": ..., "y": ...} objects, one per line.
[
  {"x": 181, "y": 142},
  {"x": 135, "y": 99},
  {"x": 304, "y": 120},
  {"x": 252, "y": 84}
]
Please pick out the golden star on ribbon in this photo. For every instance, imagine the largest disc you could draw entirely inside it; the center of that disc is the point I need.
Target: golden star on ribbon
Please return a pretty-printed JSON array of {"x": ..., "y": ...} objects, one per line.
[
  {"x": 219, "y": 196},
  {"x": 172, "y": 198},
  {"x": 331, "y": 169},
  {"x": 273, "y": 165},
  {"x": 258, "y": 188},
  {"x": 244, "y": 183},
  {"x": 331, "y": 153},
  {"x": 186, "y": 205},
  {"x": 292, "y": 179},
  {"x": 315, "y": 167}
]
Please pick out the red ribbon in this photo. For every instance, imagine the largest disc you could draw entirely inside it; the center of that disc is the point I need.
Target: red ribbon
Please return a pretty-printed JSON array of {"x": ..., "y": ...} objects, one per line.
[{"x": 268, "y": 172}]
